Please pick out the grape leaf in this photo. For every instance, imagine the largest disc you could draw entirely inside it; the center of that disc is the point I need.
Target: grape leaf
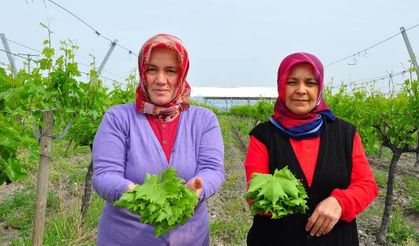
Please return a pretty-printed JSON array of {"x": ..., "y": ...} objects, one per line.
[
  {"x": 280, "y": 194},
  {"x": 162, "y": 200}
]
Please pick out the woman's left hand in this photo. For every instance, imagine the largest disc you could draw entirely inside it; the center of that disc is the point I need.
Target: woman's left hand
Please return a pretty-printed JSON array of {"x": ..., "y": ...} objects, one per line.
[
  {"x": 324, "y": 217},
  {"x": 196, "y": 184}
]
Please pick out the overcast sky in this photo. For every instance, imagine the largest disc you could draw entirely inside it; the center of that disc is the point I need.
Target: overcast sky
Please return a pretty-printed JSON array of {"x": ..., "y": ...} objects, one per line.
[{"x": 230, "y": 42}]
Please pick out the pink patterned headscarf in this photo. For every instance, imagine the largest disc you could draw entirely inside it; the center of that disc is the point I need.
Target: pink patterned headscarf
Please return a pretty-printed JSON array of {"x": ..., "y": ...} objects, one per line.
[{"x": 180, "y": 101}]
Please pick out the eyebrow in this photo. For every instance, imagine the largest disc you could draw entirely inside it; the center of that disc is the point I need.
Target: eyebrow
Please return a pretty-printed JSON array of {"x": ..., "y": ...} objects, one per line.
[
  {"x": 152, "y": 65},
  {"x": 295, "y": 78}
]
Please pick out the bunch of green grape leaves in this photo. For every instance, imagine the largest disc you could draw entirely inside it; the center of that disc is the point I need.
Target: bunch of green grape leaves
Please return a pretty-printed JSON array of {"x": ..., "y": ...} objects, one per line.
[
  {"x": 162, "y": 200},
  {"x": 279, "y": 194}
]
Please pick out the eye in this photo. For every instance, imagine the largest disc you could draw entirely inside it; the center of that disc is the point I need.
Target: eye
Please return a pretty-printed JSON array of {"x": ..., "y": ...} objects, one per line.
[
  {"x": 172, "y": 71},
  {"x": 312, "y": 83},
  {"x": 151, "y": 70},
  {"x": 291, "y": 82}
]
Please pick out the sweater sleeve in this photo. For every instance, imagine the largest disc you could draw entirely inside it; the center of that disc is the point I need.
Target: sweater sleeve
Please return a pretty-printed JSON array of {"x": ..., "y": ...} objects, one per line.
[
  {"x": 257, "y": 158},
  {"x": 211, "y": 157},
  {"x": 109, "y": 151},
  {"x": 362, "y": 189}
]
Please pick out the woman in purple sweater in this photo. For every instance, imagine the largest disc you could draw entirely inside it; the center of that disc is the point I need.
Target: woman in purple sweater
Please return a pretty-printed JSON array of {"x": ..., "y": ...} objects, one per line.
[{"x": 160, "y": 130}]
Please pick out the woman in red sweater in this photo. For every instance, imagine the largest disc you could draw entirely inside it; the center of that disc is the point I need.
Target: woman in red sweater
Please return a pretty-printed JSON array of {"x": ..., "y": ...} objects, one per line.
[{"x": 322, "y": 151}]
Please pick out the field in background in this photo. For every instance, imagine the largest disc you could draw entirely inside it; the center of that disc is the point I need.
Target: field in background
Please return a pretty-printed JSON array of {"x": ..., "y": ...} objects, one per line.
[{"x": 229, "y": 214}]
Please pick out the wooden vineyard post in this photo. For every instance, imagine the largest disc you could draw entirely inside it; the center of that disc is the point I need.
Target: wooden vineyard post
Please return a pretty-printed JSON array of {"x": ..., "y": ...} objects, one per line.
[
  {"x": 42, "y": 183},
  {"x": 415, "y": 64}
]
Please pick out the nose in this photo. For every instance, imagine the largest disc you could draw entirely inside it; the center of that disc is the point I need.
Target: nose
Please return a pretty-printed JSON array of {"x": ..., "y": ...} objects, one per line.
[
  {"x": 301, "y": 89},
  {"x": 160, "y": 78}
]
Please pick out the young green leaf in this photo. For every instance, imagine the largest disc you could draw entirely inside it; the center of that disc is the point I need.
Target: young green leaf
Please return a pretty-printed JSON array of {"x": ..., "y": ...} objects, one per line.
[
  {"x": 162, "y": 200},
  {"x": 280, "y": 194}
]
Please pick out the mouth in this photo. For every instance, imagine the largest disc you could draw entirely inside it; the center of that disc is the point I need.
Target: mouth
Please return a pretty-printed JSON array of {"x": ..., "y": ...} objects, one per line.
[
  {"x": 160, "y": 90},
  {"x": 300, "y": 102}
]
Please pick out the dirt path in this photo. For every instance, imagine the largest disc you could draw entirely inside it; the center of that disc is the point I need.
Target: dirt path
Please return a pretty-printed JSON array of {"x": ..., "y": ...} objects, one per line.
[{"x": 229, "y": 213}]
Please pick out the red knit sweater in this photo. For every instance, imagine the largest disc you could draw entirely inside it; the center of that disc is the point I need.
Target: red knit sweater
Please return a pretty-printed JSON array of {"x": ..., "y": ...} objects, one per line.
[{"x": 361, "y": 191}]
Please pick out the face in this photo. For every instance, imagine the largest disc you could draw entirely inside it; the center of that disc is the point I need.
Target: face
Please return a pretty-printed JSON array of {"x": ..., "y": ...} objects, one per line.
[
  {"x": 301, "y": 89},
  {"x": 162, "y": 75}
]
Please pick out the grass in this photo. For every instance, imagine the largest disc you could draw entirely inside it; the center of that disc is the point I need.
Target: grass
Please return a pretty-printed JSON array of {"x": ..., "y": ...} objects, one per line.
[
  {"x": 65, "y": 227},
  {"x": 229, "y": 232},
  {"x": 63, "y": 220},
  {"x": 232, "y": 225},
  {"x": 412, "y": 191},
  {"x": 399, "y": 231},
  {"x": 243, "y": 125},
  {"x": 232, "y": 180},
  {"x": 17, "y": 211},
  {"x": 374, "y": 210},
  {"x": 224, "y": 121},
  {"x": 381, "y": 178}
]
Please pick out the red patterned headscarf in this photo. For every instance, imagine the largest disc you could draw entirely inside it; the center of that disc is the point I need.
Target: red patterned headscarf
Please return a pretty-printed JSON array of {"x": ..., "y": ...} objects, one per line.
[
  {"x": 180, "y": 101},
  {"x": 311, "y": 123}
]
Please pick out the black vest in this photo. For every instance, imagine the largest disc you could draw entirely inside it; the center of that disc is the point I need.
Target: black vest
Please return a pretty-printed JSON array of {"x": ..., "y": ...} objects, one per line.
[{"x": 333, "y": 170}]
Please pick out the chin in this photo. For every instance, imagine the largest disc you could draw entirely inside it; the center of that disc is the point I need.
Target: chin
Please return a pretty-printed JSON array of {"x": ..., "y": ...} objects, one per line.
[
  {"x": 300, "y": 112},
  {"x": 160, "y": 102}
]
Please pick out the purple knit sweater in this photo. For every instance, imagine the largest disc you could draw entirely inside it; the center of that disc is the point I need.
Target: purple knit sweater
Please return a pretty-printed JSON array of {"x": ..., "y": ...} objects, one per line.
[{"x": 125, "y": 149}]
